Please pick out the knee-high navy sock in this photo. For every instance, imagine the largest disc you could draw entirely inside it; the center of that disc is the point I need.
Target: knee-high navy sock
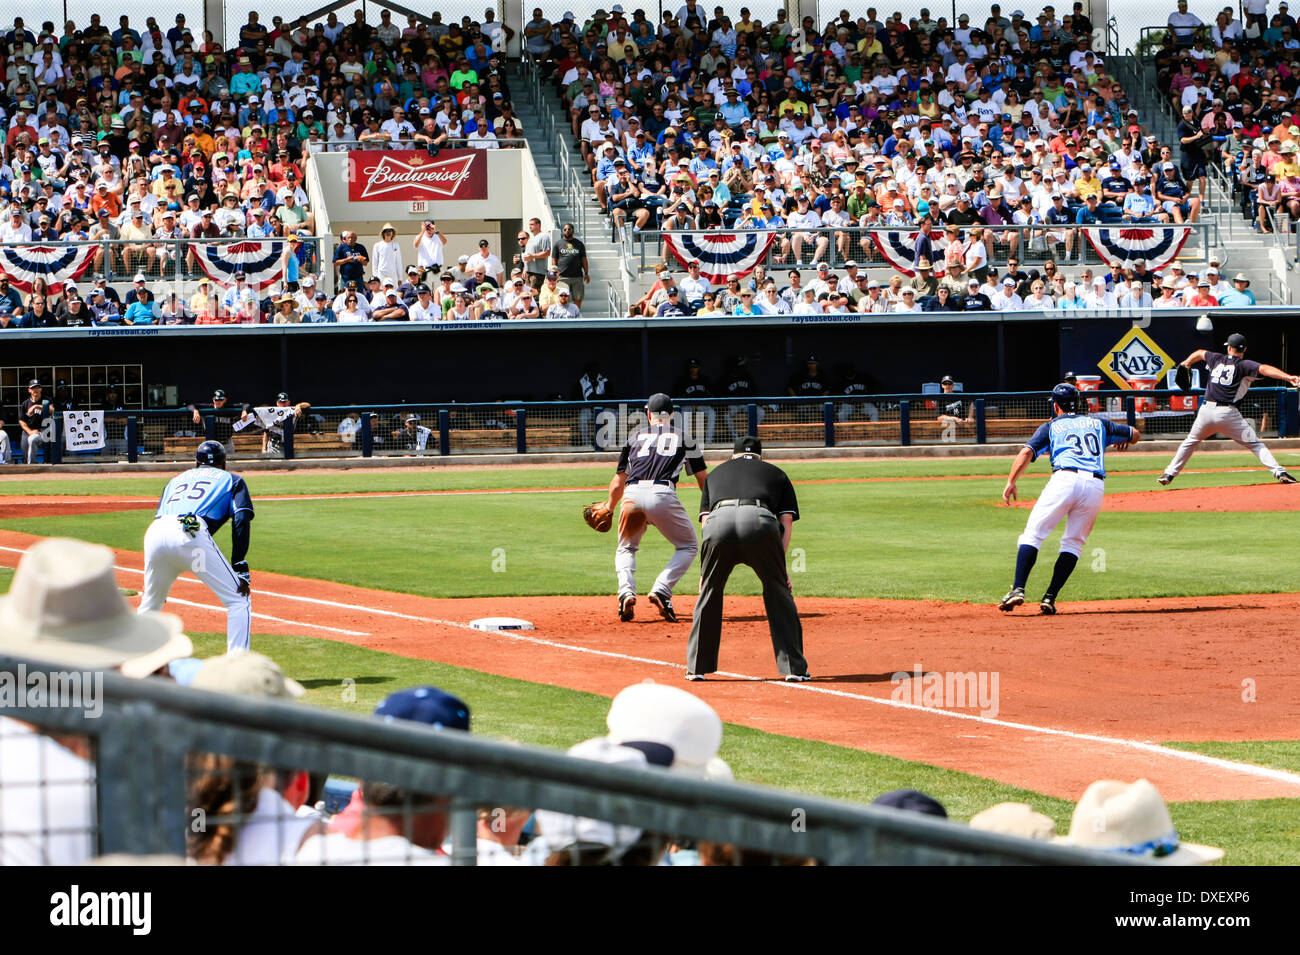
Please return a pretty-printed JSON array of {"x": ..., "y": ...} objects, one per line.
[
  {"x": 1025, "y": 558},
  {"x": 1062, "y": 571}
]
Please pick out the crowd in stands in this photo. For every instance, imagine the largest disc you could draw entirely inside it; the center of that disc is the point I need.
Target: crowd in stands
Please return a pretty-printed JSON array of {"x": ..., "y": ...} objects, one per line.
[
  {"x": 154, "y": 135},
  {"x": 708, "y": 122},
  {"x": 258, "y": 814}
]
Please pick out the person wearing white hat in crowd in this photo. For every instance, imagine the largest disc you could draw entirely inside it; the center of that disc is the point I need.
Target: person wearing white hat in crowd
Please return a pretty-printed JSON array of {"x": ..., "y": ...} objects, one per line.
[
  {"x": 1134, "y": 295},
  {"x": 1015, "y": 819},
  {"x": 1132, "y": 819},
  {"x": 386, "y": 255},
  {"x": 64, "y": 608},
  {"x": 273, "y": 829}
]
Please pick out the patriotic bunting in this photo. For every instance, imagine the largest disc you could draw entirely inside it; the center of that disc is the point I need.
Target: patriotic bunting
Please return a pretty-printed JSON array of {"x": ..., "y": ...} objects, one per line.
[
  {"x": 898, "y": 249},
  {"x": 258, "y": 259},
  {"x": 722, "y": 255},
  {"x": 57, "y": 264},
  {"x": 1122, "y": 244}
]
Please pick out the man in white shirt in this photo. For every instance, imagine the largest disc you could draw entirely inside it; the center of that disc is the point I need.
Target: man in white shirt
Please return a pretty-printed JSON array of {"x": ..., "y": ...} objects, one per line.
[
  {"x": 693, "y": 285},
  {"x": 1005, "y": 298},
  {"x": 805, "y": 217},
  {"x": 485, "y": 258},
  {"x": 429, "y": 246},
  {"x": 1135, "y": 296},
  {"x": 1183, "y": 24}
]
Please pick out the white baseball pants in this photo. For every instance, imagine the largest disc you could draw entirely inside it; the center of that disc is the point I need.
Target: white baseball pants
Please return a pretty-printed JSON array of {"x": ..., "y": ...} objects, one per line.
[
  {"x": 1070, "y": 495},
  {"x": 664, "y": 510},
  {"x": 1222, "y": 419},
  {"x": 170, "y": 552}
]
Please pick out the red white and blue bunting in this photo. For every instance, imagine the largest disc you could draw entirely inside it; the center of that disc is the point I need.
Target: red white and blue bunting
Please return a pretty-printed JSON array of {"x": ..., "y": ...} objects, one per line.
[
  {"x": 1122, "y": 244},
  {"x": 899, "y": 248},
  {"x": 258, "y": 259},
  {"x": 56, "y": 264},
  {"x": 722, "y": 255}
]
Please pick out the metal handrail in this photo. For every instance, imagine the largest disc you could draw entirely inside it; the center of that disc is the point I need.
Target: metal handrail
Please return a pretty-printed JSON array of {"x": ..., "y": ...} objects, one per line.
[{"x": 454, "y": 142}]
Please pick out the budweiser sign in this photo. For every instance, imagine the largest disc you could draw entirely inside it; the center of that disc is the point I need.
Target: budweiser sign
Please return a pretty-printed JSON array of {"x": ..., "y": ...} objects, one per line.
[{"x": 399, "y": 175}]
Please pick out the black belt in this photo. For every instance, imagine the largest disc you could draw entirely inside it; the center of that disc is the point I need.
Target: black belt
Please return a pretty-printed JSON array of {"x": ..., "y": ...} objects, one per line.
[
  {"x": 1097, "y": 474},
  {"x": 1222, "y": 404},
  {"x": 738, "y": 502},
  {"x": 664, "y": 483}
]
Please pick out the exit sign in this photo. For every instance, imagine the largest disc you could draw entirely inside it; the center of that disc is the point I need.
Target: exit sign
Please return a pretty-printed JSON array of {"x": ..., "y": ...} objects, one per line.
[{"x": 418, "y": 207}]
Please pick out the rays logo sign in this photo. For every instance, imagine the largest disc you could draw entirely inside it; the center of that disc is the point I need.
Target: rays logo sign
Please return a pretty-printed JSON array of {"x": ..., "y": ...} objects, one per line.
[
  {"x": 399, "y": 175},
  {"x": 1135, "y": 356}
]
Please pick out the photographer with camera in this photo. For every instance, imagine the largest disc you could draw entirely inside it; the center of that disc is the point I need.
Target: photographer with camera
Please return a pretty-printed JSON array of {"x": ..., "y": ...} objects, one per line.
[{"x": 429, "y": 245}]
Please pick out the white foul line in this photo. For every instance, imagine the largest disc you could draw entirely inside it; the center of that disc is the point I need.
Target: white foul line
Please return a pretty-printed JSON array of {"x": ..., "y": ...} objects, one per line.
[{"x": 1264, "y": 772}]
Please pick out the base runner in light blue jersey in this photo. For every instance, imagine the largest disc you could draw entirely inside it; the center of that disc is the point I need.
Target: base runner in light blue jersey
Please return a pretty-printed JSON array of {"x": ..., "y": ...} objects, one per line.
[
  {"x": 193, "y": 507},
  {"x": 1077, "y": 447}
]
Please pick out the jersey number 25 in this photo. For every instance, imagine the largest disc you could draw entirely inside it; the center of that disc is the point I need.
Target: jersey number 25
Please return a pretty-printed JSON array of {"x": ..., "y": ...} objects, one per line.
[{"x": 196, "y": 492}]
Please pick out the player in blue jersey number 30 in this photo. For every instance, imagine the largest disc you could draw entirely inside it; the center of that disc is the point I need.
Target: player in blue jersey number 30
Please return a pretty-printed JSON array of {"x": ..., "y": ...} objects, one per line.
[
  {"x": 1077, "y": 447},
  {"x": 193, "y": 507}
]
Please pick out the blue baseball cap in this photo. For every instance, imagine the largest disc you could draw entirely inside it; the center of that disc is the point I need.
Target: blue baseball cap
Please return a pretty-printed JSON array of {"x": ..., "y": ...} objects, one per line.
[
  {"x": 425, "y": 704},
  {"x": 912, "y": 801}
]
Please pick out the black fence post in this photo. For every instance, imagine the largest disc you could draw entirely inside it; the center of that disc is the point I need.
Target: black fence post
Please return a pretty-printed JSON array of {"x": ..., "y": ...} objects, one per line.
[
  {"x": 367, "y": 437},
  {"x": 209, "y": 428},
  {"x": 132, "y": 439},
  {"x": 521, "y": 430},
  {"x": 1130, "y": 411},
  {"x": 751, "y": 423},
  {"x": 905, "y": 423},
  {"x": 981, "y": 432},
  {"x": 444, "y": 431},
  {"x": 1293, "y": 413},
  {"x": 288, "y": 438},
  {"x": 828, "y": 419}
]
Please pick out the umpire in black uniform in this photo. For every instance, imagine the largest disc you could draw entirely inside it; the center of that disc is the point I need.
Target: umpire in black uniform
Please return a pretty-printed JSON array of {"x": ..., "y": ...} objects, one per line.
[{"x": 748, "y": 510}]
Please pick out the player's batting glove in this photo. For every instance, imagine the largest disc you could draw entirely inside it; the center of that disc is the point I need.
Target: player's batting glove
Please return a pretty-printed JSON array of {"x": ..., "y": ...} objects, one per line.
[
  {"x": 245, "y": 577},
  {"x": 189, "y": 524}
]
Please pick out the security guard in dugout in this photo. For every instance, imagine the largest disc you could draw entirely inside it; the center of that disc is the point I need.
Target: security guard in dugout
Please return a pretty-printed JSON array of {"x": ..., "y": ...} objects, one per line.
[{"x": 748, "y": 509}]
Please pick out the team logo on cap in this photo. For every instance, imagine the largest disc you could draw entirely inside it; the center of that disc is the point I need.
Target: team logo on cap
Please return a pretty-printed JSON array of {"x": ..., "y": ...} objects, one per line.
[
  {"x": 1136, "y": 362},
  {"x": 412, "y": 174}
]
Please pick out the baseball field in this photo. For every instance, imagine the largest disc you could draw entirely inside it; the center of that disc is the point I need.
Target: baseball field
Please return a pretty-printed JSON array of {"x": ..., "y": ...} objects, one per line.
[{"x": 1174, "y": 656}]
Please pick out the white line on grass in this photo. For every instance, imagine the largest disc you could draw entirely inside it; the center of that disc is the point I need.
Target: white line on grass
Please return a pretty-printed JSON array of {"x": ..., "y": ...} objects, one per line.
[{"x": 1264, "y": 772}]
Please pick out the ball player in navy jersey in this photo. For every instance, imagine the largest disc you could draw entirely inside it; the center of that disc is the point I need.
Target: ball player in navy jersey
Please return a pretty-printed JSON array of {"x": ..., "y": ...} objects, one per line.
[
  {"x": 194, "y": 506},
  {"x": 646, "y": 483},
  {"x": 1230, "y": 377},
  {"x": 1077, "y": 446}
]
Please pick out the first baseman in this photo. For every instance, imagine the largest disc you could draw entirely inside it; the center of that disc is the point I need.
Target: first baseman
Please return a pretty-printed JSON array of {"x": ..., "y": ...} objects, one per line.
[
  {"x": 646, "y": 482},
  {"x": 1077, "y": 447},
  {"x": 1230, "y": 376},
  {"x": 194, "y": 506}
]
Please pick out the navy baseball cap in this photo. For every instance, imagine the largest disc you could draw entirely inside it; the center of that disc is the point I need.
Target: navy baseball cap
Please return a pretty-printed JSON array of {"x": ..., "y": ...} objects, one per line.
[
  {"x": 747, "y": 445},
  {"x": 1236, "y": 340},
  {"x": 425, "y": 704},
  {"x": 1065, "y": 395},
  {"x": 912, "y": 801},
  {"x": 659, "y": 402}
]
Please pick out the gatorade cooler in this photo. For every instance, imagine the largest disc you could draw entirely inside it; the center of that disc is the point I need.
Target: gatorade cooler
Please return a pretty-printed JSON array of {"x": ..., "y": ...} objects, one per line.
[
  {"x": 1144, "y": 405},
  {"x": 1183, "y": 402},
  {"x": 1090, "y": 383}
]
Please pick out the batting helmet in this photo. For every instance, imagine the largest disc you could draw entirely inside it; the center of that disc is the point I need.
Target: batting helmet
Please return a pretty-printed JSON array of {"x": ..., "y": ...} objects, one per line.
[
  {"x": 1065, "y": 396},
  {"x": 212, "y": 454}
]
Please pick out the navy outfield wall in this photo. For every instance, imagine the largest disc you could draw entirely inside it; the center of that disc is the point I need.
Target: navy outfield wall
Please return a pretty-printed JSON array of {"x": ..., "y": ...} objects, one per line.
[{"x": 536, "y": 361}]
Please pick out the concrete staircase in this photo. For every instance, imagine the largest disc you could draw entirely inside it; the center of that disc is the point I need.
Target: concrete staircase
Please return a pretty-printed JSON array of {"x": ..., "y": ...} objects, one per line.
[{"x": 569, "y": 193}]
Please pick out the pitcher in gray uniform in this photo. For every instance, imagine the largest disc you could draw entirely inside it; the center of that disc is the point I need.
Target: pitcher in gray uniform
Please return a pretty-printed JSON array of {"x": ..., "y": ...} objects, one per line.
[
  {"x": 646, "y": 483},
  {"x": 748, "y": 508},
  {"x": 1230, "y": 377}
]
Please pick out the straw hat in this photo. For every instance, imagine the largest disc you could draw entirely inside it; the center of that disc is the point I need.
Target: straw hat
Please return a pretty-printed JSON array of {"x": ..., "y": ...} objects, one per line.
[
  {"x": 1132, "y": 818},
  {"x": 64, "y": 607},
  {"x": 1014, "y": 819},
  {"x": 246, "y": 674}
]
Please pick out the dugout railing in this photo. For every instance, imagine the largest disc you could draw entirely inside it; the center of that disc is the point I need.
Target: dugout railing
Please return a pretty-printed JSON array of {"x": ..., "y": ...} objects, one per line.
[
  {"x": 133, "y": 792},
  {"x": 898, "y": 420}
]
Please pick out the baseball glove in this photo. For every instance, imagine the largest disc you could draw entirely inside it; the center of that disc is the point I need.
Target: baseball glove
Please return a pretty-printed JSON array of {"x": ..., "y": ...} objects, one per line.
[
  {"x": 598, "y": 516},
  {"x": 1183, "y": 377}
]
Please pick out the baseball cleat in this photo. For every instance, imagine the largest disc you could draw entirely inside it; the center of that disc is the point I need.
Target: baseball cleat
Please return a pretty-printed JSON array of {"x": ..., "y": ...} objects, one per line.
[
  {"x": 798, "y": 677},
  {"x": 1014, "y": 598},
  {"x": 695, "y": 677},
  {"x": 665, "y": 607},
  {"x": 1164, "y": 479},
  {"x": 1047, "y": 605},
  {"x": 626, "y": 607},
  {"x": 1284, "y": 478}
]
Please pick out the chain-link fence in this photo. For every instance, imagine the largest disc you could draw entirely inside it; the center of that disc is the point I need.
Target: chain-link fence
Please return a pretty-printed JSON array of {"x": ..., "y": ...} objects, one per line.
[
  {"x": 144, "y": 766},
  {"x": 958, "y": 418}
]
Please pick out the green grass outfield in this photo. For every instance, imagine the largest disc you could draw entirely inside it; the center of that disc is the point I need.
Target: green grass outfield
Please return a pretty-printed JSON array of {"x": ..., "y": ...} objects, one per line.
[{"x": 925, "y": 539}]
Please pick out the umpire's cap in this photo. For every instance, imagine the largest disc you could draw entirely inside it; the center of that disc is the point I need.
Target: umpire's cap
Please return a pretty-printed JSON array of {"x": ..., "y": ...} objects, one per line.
[
  {"x": 1236, "y": 340},
  {"x": 1066, "y": 396},
  {"x": 212, "y": 454},
  {"x": 747, "y": 445},
  {"x": 659, "y": 402}
]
